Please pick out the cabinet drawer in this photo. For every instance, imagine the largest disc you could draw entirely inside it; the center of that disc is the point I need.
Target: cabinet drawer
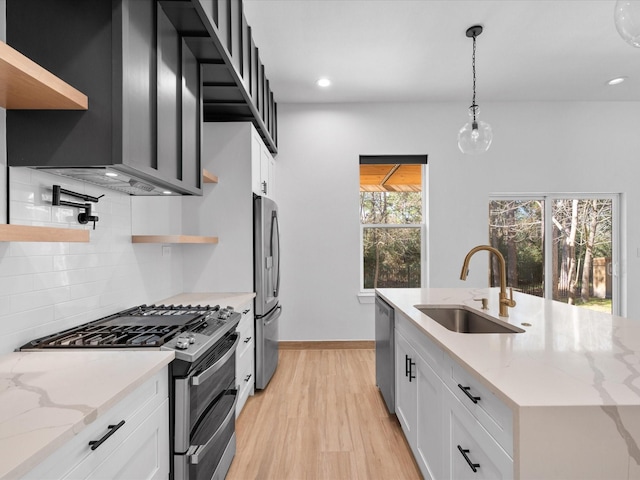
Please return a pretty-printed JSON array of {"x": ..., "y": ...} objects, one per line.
[
  {"x": 469, "y": 446},
  {"x": 133, "y": 409},
  {"x": 245, "y": 329},
  {"x": 245, "y": 377},
  {"x": 493, "y": 414},
  {"x": 142, "y": 454},
  {"x": 426, "y": 348}
]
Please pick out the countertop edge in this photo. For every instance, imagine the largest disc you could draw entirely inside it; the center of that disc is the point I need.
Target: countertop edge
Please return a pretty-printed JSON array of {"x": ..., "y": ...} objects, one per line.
[{"x": 27, "y": 464}]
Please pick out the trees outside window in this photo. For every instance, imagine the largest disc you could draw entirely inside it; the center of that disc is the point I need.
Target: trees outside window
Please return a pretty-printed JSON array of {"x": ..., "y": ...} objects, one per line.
[
  {"x": 558, "y": 247},
  {"x": 391, "y": 227}
]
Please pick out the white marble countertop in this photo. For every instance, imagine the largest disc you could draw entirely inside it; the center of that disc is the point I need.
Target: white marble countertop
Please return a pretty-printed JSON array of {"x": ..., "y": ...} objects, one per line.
[
  {"x": 233, "y": 299},
  {"x": 48, "y": 397},
  {"x": 569, "y": 356}
]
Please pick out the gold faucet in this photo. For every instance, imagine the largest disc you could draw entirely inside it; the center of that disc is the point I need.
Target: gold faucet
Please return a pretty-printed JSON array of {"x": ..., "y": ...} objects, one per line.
[{"x": 505, "y": 302}]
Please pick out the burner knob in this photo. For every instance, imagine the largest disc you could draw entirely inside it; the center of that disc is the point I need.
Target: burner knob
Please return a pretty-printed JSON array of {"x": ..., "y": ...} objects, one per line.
[
  {"x": 182, "y": 343},
  {"x": 192, "y": 338}
]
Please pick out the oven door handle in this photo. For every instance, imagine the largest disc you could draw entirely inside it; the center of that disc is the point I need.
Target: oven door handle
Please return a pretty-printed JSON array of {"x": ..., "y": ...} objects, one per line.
[
  {"x": 200, "y": 379},
  {"x": 198, "y": 452}
]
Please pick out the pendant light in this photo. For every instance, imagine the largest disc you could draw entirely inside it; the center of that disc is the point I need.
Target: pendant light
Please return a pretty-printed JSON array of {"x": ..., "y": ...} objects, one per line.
[
  {"x": 475, "y": 136},
  {"x": 626, "y": 16}
]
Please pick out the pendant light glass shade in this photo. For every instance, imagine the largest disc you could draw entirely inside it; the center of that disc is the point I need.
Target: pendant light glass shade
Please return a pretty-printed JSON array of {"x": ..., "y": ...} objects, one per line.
[
  {"x": 475, "y": 136},
  {"x": 627, "y": 19}
]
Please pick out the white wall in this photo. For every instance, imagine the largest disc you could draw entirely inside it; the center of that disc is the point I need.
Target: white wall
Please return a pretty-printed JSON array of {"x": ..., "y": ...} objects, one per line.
[
  {"x": 224, "y": 210},
  {"x": 538, "y": 147}
]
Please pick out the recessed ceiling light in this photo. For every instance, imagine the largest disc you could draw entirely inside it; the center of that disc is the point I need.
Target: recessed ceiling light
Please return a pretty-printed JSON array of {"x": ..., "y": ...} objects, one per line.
[
  {"x": 167, "y": 192},
  {"x": 323, "y": 82},
  {"x": 111, "y": 174},
  {"x": 616, "y": 81}
]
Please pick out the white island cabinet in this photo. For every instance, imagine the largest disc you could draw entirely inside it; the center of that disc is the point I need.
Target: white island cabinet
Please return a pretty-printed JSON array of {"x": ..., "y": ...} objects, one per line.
[
  {"x": 556, "y": 401},
  {"x": 84, "y": 414}
]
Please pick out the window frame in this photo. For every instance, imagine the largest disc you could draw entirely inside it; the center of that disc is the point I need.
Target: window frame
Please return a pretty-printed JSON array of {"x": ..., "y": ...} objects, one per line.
[
  {"x": 370, "y": 292},
  {"x": 617, "y": 276}
]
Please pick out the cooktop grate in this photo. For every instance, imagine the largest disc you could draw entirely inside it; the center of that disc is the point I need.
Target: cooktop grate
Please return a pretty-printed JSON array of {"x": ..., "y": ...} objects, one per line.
[{"x": 143, "y": 326}]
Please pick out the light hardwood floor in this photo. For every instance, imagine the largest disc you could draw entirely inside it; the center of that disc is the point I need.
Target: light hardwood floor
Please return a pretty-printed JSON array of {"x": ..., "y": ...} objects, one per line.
[{"x": 321, "y": 417}]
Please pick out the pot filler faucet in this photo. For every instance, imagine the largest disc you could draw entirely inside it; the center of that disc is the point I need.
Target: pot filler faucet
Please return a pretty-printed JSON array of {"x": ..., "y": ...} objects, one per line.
[{"x": 505, "y": 302}]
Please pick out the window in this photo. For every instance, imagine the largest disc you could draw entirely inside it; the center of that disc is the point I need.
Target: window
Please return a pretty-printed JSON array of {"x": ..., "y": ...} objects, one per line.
[
  {"x": 558, "y": 246},
  {"x": 391, "y": 221}
]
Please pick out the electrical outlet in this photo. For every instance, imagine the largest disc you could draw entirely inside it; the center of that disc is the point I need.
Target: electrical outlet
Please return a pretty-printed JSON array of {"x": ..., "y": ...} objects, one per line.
[{"x": 166, "y": 251}]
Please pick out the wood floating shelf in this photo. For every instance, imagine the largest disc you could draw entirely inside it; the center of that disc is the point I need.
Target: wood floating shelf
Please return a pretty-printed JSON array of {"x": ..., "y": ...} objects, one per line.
[
  {"x": 209, "y": 177},
  {"x": 173, "y": 239},
  {"x": 25, "y": 85},
  {"x": 28, "y": 233}
]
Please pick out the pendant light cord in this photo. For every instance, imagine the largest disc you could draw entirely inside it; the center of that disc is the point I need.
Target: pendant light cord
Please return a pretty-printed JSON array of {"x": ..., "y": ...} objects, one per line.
[{"x": 473, "y": 67}]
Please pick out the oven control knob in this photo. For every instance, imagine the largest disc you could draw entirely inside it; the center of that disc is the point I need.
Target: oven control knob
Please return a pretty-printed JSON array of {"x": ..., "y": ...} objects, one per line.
[
  {"x": 182, "y": 343},
  {"x": 192, "y": 339}
]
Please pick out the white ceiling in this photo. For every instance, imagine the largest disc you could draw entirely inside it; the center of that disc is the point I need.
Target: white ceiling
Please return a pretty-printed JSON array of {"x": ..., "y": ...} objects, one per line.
[{"x": 416, "y": 50}]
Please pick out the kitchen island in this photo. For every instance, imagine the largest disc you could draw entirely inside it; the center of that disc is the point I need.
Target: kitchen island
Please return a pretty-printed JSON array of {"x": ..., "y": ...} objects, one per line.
[
  {"x": 48, "y": 399},
  {"x": 571, "y": 380}
]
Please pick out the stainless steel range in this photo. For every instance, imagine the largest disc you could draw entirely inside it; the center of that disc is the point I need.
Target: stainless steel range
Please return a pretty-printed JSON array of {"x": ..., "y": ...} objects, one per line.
[{"x": 202, "y": 377}]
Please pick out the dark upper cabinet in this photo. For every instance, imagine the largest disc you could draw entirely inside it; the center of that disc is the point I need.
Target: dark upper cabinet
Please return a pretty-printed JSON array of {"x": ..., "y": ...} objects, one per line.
[
  {"x": 178, "y": 105},
  {"x": 129, "y": 60},
  {"x": 233, "y": 77}
]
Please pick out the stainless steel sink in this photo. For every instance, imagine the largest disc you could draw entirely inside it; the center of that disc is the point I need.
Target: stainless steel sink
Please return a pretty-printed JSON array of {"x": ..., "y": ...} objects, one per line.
[{"x": 461, "y": 320}]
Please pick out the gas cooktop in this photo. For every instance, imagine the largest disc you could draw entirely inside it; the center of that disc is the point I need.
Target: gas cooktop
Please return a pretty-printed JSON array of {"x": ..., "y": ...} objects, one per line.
[{"x": 170, "y": 327}]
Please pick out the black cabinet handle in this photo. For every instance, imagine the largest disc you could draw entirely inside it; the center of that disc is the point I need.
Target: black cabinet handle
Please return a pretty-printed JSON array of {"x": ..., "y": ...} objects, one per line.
[
  {"x": 264, "y": 187},
  {"x": 247, "y": 378},
  {"x": 466, "y": 392},
  {"x": 473, "y": 466},
  {"x": 406, "y": 365},
  {"x": 411, "y": 365},
  {"x": 112, "y": 429},
  {"x": 247, "y": 340}
]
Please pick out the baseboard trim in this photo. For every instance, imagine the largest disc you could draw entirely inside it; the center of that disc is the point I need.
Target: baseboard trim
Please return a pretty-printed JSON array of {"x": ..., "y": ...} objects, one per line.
[{"x": 328, "y": 345}]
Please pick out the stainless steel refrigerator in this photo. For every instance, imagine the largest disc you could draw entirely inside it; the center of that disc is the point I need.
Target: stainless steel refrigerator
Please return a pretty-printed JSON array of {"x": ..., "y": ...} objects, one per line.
[{"x": 266, "y": 258}]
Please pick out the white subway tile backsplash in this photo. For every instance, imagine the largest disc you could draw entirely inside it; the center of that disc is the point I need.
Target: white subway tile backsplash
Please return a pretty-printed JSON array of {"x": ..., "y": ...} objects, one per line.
[
  {"x": 13, "y": 285},
  {"x": 38, "y": 298},
  {"x": 47, "y": 287},
  {"x": 27, "y": 211},
  {"x": 10, "y": 266},
  {"x": 26, "y": 319},
  {"x": 63, "y": 214},
  {"x": 78, "y": 308},
  {"x": 31, "y": 249},
  {"x": 48, "y": 280}
]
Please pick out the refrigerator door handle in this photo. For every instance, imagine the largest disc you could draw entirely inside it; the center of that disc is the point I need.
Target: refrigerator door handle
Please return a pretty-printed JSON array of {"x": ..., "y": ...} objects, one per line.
[
  {"x": 275, "y": 239},
  {"x": 274, "y": 316}
]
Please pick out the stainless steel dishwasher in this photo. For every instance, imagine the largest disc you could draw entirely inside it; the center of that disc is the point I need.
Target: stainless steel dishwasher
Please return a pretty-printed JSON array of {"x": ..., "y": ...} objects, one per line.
[{"x": 385, "y": 353}]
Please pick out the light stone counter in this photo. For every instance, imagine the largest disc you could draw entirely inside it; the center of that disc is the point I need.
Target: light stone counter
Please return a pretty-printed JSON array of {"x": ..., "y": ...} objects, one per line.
[
  {"x": 235, "y": 300},
  {"x": 572, "y": 379},
  {"x": 48, "y": 397}
]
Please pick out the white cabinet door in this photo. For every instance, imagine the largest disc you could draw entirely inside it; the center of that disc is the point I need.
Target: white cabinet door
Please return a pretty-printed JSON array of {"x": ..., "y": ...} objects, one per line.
[
  {"x": 262, "y": 167},
  {"x": 143, "y": 454},
  {"x": 470, "y": 451},
  {"x": 406, "y": 388},
  {"x": 429, "y": 421}
]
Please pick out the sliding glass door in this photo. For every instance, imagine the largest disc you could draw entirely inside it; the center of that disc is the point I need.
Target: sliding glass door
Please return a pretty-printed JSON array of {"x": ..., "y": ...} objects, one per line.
[{"x": 563, "y": 247}]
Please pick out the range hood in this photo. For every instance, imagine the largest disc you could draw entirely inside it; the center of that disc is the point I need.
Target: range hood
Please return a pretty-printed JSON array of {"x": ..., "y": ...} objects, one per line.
[
  {"x": 115, "y": 178},
  {"x": 141, "y": 132}
]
